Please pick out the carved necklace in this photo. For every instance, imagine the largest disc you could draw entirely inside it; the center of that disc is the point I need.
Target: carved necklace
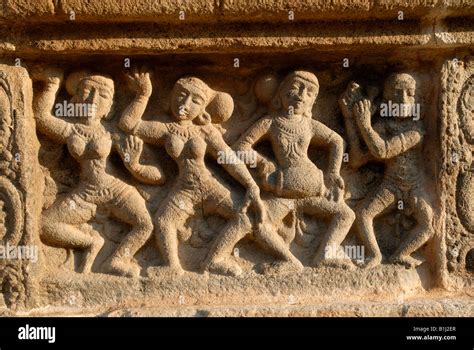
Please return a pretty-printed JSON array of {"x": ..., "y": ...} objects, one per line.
[
  {"x": 290, "y": 132},
  {"x": 183, "y": 131},
  {"x": 289, "y": 126},
  {"x": 88, "y": 132}
]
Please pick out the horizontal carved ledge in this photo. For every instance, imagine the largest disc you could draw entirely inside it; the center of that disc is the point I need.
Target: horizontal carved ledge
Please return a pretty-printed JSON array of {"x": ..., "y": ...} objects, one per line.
[{"x": 228, "y": 10}]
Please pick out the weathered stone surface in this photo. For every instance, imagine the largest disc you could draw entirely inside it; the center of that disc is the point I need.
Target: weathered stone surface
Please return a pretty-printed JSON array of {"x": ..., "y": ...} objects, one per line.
[
  {"x": 229, "y": 10},
  {"x": 237, "y": 158}
]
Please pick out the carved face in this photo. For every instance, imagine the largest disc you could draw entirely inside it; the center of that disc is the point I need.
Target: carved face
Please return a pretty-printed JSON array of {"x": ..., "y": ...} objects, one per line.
[
  {"x": 187, "y": 101},
  {"x": 401, "y": 89},
  {"x": 297, "y": 95},
  {"x": 95, "y": 94}
]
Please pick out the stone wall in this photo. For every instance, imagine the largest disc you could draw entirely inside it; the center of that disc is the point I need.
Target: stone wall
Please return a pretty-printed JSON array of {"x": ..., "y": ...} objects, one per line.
[{"x": 220, "y": 157}]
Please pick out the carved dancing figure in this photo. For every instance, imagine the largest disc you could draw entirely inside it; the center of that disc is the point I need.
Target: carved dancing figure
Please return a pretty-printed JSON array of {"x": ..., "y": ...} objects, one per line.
[
  {"x": 397, "y": 141},
  {"x": 295, "y": 182},
  {"x": 187, "y": 139},
  {"x": 90, "y": 143}
]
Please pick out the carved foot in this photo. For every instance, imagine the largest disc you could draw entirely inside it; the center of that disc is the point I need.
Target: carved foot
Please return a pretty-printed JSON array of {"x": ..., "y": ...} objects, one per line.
[
  {"x": 124, "y": 268},
  {"x": 345, "y": 264},
  {"x": 165, "y": 271},
  {"x": 407, "y": 261},
  {"x": 225, "y": 267},
  {"x": 91, "y": 253},
  {"x": 280, "y": 267},
  {"x": 69, "y": 257},
  {"x": 371, "y": 262},
  {"x": 304, "y": 240},
  {"x": 196, "y": 241}
]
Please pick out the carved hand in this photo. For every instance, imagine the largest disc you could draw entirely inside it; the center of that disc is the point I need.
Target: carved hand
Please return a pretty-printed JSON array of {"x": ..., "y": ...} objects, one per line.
[
  {"x": 132, "y": 149},
  {"x": 350, "y": 96},
  {"x": 344, "y": 104},
  {"x": 252, "y": 198},
  {"x": 266, "y": 167},
  {"x": 362, "y": 111},
  {"x": 140, "y": 81},
  {"x": 48, "y": 74},
  {"x": 336, "y": 186}
]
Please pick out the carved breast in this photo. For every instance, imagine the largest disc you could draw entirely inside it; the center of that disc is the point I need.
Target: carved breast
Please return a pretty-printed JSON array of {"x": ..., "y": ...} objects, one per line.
[
  {"x": 191, "y": 149},
  {"x": 89, "y": 146}
]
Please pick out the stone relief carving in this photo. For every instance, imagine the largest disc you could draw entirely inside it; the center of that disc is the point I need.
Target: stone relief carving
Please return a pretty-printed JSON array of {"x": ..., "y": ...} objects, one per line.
[
  {"x": 187, "y": 139},
  {"x": 396, "y": 141},
  {"x": 295, "y": 183},
  {"x": 282, "y": 185},
  {"x": 10, "y": 200},
  {"x": 456, "y": 173},
  {"x": 302, "y": 158},
  {"x": 466, "y": 180},
  {"x": 90, "y": 142},
  {"x": 11, "y": 203},
  {"x": 17, "y": 163},
  {"x": 158, "y": 179}
]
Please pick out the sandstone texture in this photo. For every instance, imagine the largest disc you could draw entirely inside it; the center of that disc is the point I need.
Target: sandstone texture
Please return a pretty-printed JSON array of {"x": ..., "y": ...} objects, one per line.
[{"x": 215, "y": 158}]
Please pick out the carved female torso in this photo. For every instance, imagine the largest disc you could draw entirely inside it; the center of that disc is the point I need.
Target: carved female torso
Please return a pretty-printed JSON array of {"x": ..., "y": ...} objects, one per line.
[
  {"x": 187, "y": 146},
  {"x": 90, "y": 146}
]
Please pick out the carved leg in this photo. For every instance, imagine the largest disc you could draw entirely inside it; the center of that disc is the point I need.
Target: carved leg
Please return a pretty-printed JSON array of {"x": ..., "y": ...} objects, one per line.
[
  {"x": 267, "y": 236},
  {"x": 173, "y": 213},
  {"x": 218, "y": 260},
  {"x": 420, "y": 204},
  {"x": 58, "y": 228},
  {"x": 238, "y": 227},
  {"x": 367, "y": 210},
  {"x": 129, "y": 207},
  {"x": 342, "y": 218}
]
